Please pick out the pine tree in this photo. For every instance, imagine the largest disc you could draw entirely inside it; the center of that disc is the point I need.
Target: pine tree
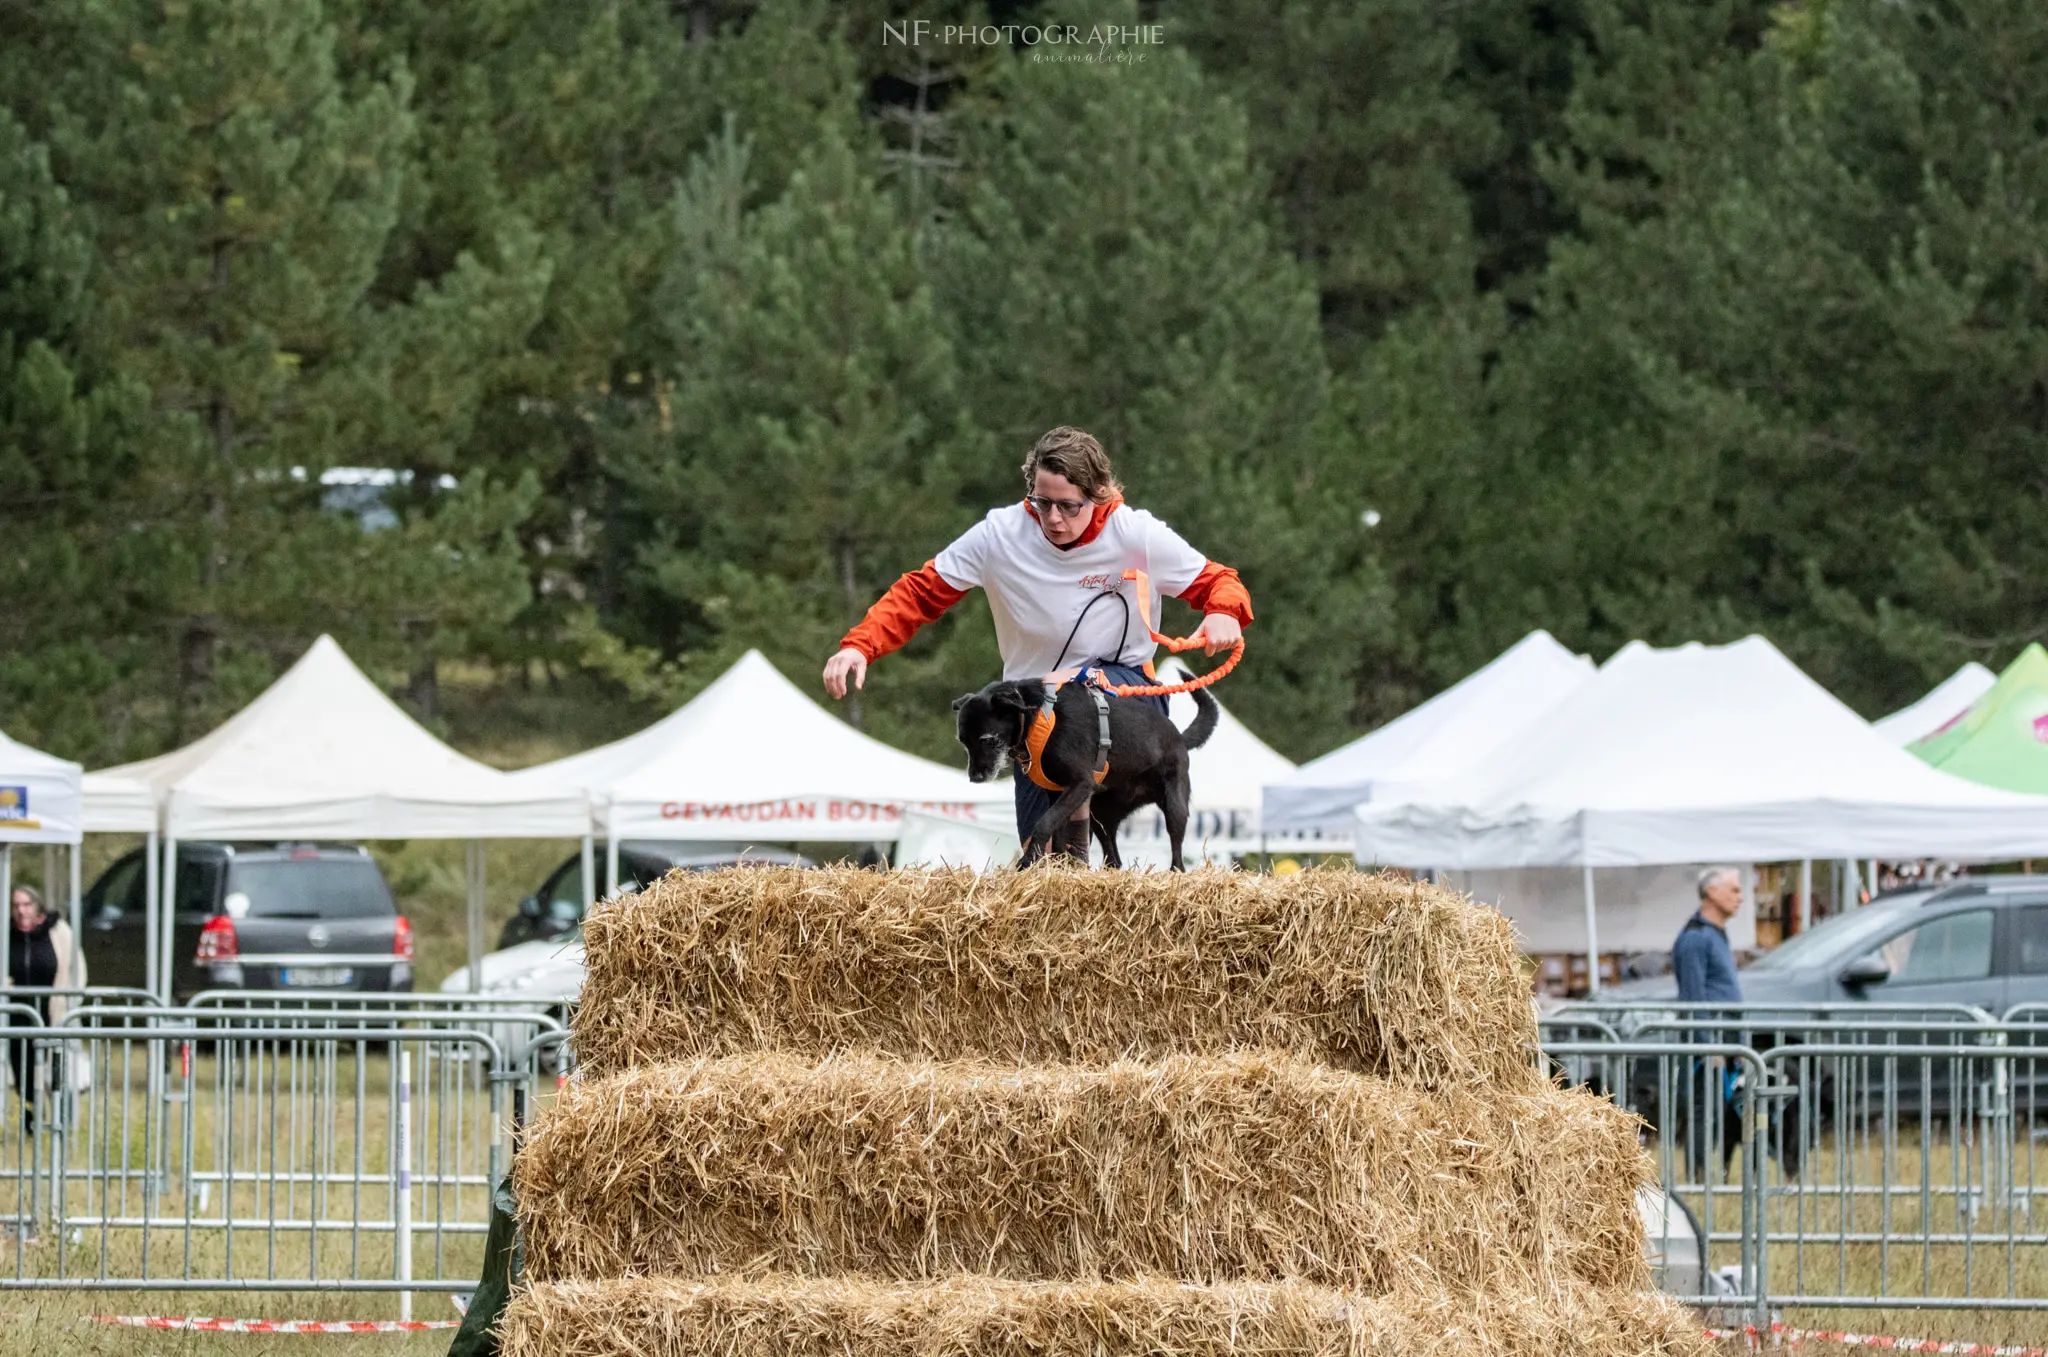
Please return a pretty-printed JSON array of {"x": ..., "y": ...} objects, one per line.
[
  {"x": 575, "y": 121},
  {"x": 1111, "y": 262},
  {"x": 64, "y": 456},
  {"x": 812, "y": 433},
  {"x": 243, "y": 198},
  {"x": 1354, "y": 113},
  {"x": 1779, "y": 381}
]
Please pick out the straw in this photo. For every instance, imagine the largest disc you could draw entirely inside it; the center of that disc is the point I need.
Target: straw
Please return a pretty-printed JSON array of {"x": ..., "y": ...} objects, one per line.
[
  {"x": 1372, "y": 973},
  {"x": 1246, "y": 1166},
  {"x": 981, "y": 1317}
]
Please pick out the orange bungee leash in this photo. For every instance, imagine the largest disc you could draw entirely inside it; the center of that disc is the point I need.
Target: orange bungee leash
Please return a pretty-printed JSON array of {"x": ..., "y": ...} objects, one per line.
[{"x": 1173, "y": 643}]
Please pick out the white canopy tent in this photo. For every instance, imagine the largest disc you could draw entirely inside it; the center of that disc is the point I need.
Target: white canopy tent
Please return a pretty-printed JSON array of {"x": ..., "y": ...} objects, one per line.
[
  {"x": 324, "y": 754},
  {"x": 1226, "y": 778},
  {"x": 118, "y": 805},
  {"x": 754, "y": 755},
  {"x": 1949, "y": 699},
  {"x": 1641, "y": 908},
  {"x": 40, "y": 800},
  {"x": 1699, "y": 754},
  {"x": 1451, "y": 733},
  {"x": 40, "y": 803}
]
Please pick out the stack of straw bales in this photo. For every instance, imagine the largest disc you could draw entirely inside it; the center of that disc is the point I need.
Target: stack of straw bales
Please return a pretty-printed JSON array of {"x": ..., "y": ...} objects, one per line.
[{"x": 1064, "y": 1113}]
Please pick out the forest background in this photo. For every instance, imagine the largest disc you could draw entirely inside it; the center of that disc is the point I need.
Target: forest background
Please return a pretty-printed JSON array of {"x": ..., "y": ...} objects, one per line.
[{"x": 550, "y": 355}]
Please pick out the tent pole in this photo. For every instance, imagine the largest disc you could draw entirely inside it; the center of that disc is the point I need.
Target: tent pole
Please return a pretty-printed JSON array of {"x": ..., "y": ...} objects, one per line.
[
  {"x": 152, "y": 907},
  {"x": 7, "y": 881},
  {"x": 77, "y": 875},
  {"x": 474, "y": 856},
  {"x": 50, "y": 878},
  {"x": 1873, "y": 878},
  {"x": 611, "y": 865},
  {"x": 1805, "y": 894},
  {"x": 589, "y": 873},
  {"x": 166, "y": 920},
  {"x": 1592, "y": 939}
]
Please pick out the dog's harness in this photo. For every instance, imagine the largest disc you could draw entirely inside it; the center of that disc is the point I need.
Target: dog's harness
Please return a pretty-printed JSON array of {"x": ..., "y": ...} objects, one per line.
[{"x": 1041, "y": 728}]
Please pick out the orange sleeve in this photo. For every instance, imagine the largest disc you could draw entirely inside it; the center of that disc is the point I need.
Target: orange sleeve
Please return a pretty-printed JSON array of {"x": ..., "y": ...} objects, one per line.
[
  {"x": 1218, "y": 590},
  {"x": 916, "y": 598}
]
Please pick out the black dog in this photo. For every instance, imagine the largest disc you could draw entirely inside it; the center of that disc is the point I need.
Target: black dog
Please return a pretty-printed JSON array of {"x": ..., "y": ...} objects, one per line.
[{"x": 1148, "y": 756}]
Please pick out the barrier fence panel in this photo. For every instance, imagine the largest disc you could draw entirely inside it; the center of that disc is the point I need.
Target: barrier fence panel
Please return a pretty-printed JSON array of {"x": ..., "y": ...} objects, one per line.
[
  {"x": 1895, "y": 1148},
  {"x": 258, "y": 1149},
  {"x": 1700, "y": 1218}
]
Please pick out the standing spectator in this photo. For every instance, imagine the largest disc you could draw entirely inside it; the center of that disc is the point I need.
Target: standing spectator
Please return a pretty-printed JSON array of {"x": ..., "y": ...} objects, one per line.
[
  {"x": 1702, "y": 957},
  {"x": 1705, "y": 965},
  {"x": 39, "y": 953}
]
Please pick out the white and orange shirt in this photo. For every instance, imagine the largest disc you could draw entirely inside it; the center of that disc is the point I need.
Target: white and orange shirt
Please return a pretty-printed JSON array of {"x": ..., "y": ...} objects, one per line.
[{"x": 1037, "y": 591}]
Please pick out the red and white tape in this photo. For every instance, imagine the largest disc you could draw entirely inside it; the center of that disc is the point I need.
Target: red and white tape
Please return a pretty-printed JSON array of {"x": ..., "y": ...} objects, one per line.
[
  {"x": 202, "y": 1324},
  {"x": 1777, "y": 1334},
  {"x": 1781, "y": 1334}
]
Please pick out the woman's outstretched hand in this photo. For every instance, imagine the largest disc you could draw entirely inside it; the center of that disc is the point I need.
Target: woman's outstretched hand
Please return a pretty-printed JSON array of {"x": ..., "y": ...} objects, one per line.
[{"x": 847, "y": 661}]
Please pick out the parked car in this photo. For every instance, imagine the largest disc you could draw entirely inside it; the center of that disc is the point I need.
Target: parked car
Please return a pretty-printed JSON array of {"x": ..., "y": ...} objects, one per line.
[
  {"x": 556, "y": 909},
  {"x": 540, "y": 957},
  {"x": 308, "y": 917},
  {"x": 1981, "y": 941}
]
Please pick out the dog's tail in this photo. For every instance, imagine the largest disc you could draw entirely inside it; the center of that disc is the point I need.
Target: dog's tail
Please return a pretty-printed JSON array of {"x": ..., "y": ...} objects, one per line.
[{"x": 1204, "y": 724}]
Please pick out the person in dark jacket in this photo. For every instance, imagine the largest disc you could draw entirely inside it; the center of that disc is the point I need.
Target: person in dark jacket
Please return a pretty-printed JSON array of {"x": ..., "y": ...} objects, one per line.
[
  {"x": 1702, "y": 958},
  {"x": 1705, "y": 966},
  {"x": 33, "y": 960}
]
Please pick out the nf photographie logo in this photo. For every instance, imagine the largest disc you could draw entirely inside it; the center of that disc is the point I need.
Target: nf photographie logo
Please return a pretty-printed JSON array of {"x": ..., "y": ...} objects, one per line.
[{"x": 1095, "y": 43}]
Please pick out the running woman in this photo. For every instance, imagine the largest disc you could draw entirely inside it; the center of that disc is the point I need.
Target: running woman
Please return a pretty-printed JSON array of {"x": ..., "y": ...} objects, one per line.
[{"x": 1052, "y": 567}]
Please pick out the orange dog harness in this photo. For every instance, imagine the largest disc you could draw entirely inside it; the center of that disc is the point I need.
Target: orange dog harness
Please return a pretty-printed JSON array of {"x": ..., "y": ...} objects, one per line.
[
  {"x": 1041, "y": 728},
  {"x": 1097, "y": 683}
]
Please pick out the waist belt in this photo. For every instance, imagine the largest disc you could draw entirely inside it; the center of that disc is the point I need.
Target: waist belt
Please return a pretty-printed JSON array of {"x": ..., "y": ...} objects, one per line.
[{"x": 1041, "y": 728}]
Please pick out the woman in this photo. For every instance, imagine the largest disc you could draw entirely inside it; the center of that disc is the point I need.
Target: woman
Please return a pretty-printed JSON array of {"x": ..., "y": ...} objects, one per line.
[
  {"x": 1052, "y": 567},
  {"x": 39, "y": 956}
]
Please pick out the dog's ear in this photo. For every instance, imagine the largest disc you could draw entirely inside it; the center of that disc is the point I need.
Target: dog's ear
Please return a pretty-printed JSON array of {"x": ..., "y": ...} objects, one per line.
[
  {"x": 962, "y": 700},
  {"x": 1012, "y": 697}
]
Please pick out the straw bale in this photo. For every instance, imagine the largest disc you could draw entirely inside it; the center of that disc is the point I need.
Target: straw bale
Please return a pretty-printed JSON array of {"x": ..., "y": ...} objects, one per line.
[
  {"x": 1252, "y": 1165},
  {"x": 1367, "y": 972},
  {"x": 982, "y": 1317}
]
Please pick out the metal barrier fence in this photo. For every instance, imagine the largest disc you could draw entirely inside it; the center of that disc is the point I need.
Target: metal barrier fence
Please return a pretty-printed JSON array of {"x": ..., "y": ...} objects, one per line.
[
  {"x": 260, "y": 1142},
  {"x": 1882, "y": 1155},
  {"x": 1839, "y": 1156}
]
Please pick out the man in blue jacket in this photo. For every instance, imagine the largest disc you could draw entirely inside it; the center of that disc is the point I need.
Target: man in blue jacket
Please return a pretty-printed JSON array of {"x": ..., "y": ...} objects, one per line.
[
  {"x": 1701, "y": 956},
  {"x": 1705, "y": 965}
]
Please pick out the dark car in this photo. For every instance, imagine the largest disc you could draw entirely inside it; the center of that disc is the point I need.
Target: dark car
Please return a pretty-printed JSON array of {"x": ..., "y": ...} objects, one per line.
[
  {"x": 555, "y": 910},
  {"x": 255, "y": 916}
]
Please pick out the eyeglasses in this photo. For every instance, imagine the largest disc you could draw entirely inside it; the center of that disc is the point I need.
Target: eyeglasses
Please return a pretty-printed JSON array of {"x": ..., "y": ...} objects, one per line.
[{"x": 1067, "y": 507}]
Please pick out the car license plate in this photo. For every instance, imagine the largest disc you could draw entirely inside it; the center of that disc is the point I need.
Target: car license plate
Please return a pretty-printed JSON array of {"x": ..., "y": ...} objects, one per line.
[{"x": 319, "y": 976}]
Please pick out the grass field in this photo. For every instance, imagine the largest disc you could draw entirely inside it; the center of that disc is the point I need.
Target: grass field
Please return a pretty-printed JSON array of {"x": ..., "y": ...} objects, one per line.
[
  {"x": 1987, "y": 1254},
  {"x": 267, "y": 1125}
]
